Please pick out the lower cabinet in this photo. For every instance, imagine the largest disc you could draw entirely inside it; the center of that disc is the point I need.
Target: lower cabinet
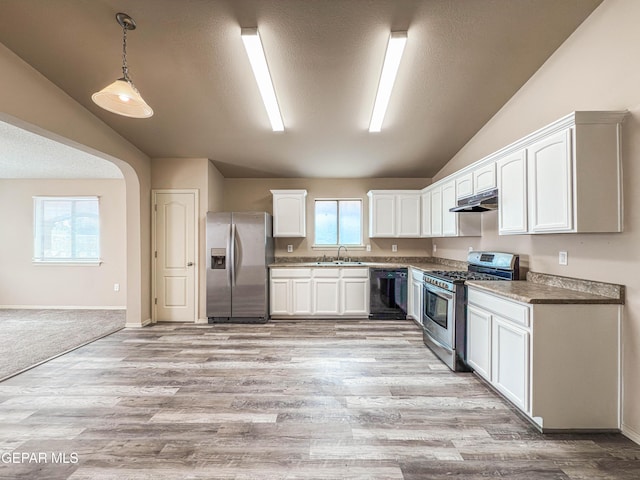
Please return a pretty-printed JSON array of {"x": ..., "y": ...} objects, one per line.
[
  {"x": 414, "y": 296},
  {"x": 320, "y": 292},
  {"x": 557, "y": 363}
]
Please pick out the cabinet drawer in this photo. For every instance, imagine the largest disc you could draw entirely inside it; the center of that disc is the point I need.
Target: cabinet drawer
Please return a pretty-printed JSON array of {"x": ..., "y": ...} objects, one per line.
[
  {"x": 326, "y": 272},
  {"x": 515, "y": 312},
  {"x": 349, "y": 272},
  {"x": 290, "y": 273}
]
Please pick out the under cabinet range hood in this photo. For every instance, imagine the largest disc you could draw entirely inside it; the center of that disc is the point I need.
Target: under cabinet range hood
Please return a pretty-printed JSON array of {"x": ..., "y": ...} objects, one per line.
[{"x": 481, "y": 202}]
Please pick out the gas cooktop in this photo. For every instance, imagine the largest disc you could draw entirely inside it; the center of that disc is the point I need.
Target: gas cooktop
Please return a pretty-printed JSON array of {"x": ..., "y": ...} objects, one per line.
[{"x": 461, "y": 275}]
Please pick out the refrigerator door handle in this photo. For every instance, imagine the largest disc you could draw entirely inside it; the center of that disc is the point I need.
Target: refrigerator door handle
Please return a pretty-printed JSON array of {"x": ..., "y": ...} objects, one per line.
[{"x": 232, "y": 252}]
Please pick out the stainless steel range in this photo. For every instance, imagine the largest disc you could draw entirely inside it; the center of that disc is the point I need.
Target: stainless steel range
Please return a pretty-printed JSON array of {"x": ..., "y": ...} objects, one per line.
[{"x": 444, "y": 316}]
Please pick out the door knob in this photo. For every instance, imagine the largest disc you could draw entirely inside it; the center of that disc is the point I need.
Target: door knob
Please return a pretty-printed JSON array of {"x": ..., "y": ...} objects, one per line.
[{"x": 190, "y": 264}]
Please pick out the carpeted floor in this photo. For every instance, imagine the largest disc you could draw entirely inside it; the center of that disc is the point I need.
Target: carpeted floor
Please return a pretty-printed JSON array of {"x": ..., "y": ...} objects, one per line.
[{"x": 29, "y": 337}]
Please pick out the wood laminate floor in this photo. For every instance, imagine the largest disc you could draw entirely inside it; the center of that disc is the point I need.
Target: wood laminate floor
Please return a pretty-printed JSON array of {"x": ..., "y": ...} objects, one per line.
[{"x": 289, "y": 399}]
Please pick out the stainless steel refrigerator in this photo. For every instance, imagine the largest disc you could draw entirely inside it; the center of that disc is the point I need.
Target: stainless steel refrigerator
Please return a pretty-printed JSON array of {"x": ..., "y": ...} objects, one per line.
[{"x": 239, "y": 250}]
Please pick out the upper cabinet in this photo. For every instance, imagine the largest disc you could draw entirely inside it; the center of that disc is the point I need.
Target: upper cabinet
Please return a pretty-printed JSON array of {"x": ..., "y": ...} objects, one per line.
[
  {"x": 394, "y": 213},
  {"x": 478, "y": 180},
  {"x": 564, "y": 178},
  {"x": 289, "y": 213}
]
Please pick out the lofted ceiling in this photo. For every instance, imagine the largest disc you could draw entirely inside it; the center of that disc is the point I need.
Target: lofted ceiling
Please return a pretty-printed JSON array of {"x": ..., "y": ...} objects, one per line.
[{"x": 463, "y": 60}]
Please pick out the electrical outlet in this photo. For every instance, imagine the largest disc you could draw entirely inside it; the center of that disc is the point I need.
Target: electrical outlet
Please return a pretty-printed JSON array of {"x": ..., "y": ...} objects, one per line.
[
  {"x": 563, "y": 258},
  {"x": 116, "y": 287},
  {"x": 289, "y": 248},
  {"x": 394, "y": 248},
  {"x": 368, "y": 247},
  {"x": 470, "y": 249},
  {"x": 435, "y": 248}
]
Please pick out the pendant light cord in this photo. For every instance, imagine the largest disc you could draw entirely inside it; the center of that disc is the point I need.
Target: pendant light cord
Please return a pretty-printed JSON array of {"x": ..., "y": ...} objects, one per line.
[{"x": 125, "y": 69}]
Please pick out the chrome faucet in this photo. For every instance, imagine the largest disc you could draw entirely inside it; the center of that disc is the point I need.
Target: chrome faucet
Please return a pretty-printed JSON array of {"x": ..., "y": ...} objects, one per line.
[{"x": 345, "y": 249}]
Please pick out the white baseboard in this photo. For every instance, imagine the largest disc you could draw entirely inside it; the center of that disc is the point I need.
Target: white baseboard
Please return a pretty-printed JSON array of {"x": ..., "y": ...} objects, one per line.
[
  {"x": 62, "y": 307},
  {"x": 202, "y": 320},
  {"x": 144, "y": 323},
  {"x": 630, "y": 433}
]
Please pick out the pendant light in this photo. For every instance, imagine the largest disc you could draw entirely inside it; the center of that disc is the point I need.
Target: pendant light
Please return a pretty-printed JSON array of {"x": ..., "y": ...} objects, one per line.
[{"x": 122, "y": 97}]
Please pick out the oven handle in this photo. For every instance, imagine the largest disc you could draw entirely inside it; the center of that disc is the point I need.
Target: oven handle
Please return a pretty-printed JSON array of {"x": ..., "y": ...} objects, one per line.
[
  {"x": 438, "y": 342},
  {"x": 445, "y": 293}
]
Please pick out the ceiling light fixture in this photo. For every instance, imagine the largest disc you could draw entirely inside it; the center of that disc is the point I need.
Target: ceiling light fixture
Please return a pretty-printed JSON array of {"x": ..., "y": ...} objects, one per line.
[
  {"x": 258, "y": 60},
  {"x": 122, "y": 97},
  {"x": 395, "y": 48}
]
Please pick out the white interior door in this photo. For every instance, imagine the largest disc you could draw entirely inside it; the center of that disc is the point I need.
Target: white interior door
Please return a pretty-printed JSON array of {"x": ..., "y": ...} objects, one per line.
[{"x": 175, "y": 256}]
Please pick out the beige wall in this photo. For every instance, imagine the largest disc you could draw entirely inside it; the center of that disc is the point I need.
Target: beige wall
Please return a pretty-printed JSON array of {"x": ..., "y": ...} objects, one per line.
[
  {"x": 597, "y": 68},
  {"x": 254, "y": 194},
  {"x": 30, "y": 101},
  {"x": 23, "y": 283}
]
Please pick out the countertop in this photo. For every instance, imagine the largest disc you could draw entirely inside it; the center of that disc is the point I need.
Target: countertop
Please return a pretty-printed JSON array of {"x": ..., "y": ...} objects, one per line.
[
  {"x": 425, "y": 267},
  {"x": 537, "y": 293}
]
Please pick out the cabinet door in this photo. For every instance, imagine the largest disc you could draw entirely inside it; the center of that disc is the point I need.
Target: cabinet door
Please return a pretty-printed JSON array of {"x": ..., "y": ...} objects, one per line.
[
  {"x": 436, "y": 212},
  {"x": 550, "y": 181},
  {"x": 415, "y": 300},
  {"x": 426, "y": 215},
  {"x": 464, "y": 185},
  {"x": 326, "y": 294},
  {"x": 484, "y": 178},
  {"x": 510, "y": 362},
  {"x": 354, "y": 293},
  {"x": 512, "y": 198},
  {"x": 408, "y": 215},
  {"x": 289, "y": 214},
  {"x": 479, "y": 341},
  {"x": 449, "y": 200},
  {"x": 280, "y": 296},
  {"x": 301, "y": 296},
  {"x": 382, "y": 215}
]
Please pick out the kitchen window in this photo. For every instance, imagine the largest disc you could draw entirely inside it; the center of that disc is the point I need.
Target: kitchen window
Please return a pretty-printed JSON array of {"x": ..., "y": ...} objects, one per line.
[
  {"x": 338, "y": 222},
  {"x": 66, "y": 230}
]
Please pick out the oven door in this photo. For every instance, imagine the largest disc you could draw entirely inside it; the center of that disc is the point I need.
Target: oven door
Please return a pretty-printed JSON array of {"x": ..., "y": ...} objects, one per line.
[{"x": 438, "y": 315}]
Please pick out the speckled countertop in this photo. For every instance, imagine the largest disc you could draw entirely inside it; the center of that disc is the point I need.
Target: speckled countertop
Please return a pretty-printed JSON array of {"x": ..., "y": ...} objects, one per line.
[
  {"x": 420, "y": 263},
  {"x": 531, "y": 292}
]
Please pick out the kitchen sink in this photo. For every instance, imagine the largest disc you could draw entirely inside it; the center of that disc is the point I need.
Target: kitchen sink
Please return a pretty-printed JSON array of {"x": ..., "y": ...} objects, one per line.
[{"x": 338, "y": 263}]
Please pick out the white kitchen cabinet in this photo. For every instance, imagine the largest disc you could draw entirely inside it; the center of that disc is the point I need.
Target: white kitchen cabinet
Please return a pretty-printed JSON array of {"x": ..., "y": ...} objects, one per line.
[
  {"x": 484, "y": 178},
  {"x": 449, "y": 200},
  {"x": 320, "y": 292},
  {"x": 512, "y": 199},
  {"x": 563, "y": 178},
  {"x": 280, "y": 296},
  {"x": 436, "y": 212},
  {"x": 301, "y": 303},
  {"x": 414, "y": 295},
  {"x": 408, "y": 214},
  {"x": 464, "y": 185},
  {"x": 354, "y": 296},
  {"x": 550, "y": 179},
  {"x": 557, "y": 363},
  {"x": 326, "y": 296},
  {"x": 480, "y": 179},
  {"x": 425, "y": 223},
  {"x": 510, "y": 361},
  {"x": 479, "y": 341},
  {"x": 394, "y": 213},
  {"x": 289, "y": 213}
]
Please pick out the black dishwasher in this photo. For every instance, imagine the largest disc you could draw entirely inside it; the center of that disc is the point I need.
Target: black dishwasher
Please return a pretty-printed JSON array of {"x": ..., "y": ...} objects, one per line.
[{"x": 388, "y": 293}]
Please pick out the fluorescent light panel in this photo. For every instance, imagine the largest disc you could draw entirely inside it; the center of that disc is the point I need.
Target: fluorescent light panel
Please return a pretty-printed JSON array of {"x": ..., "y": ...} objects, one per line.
[
  {"x": 258, "y": 60},
  {"x": 395, "y": 48}
]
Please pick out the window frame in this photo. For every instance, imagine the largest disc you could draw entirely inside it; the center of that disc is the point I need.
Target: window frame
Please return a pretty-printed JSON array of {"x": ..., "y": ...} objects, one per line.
[
  {"x": 38, "y": 244},
  {"x": 359, "y": 246}
]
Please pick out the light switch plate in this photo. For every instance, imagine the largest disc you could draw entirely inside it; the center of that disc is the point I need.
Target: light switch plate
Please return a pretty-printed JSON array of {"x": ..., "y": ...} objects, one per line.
[
  {"x": 435, "y": 247},
  {"x": 368, "y": 247},
  {"x": 563, "y": 258},
  {"x": 289, "y": 248}
]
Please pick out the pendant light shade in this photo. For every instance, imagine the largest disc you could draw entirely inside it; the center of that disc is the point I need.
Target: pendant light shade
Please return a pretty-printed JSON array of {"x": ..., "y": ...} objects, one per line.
[{"x": 122, "y": 97}]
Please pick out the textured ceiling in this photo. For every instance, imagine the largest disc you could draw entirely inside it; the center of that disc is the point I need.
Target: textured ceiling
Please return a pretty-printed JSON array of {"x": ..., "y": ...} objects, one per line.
[
  {"x": 25, "y": 154},
  {"x": 463, "y": 60}
]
